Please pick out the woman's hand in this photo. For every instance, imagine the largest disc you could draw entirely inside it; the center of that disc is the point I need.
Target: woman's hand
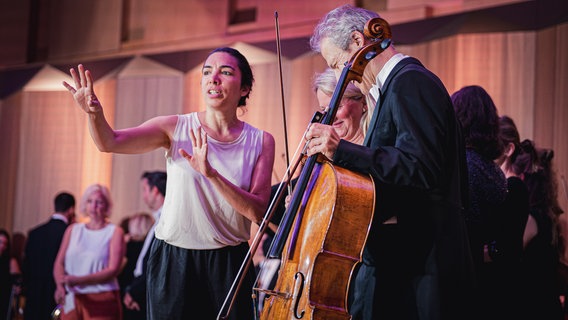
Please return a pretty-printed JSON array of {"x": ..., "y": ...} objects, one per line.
[
  {"x": 70, "y": 280},
  {"x": 59, "y": 294},
  {"x": 198, "y": 160},
  {"x": 83, "y": 92}
]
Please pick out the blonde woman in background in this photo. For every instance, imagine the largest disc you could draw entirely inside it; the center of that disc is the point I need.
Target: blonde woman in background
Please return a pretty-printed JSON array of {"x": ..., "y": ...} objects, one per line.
[
  {"x": 138, "y": 226},
  {"x": 89, "y": 260},
  {"x": 352, "y": 118}
]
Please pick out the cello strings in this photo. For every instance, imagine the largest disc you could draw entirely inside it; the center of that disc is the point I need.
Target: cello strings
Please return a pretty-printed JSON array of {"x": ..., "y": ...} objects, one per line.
[{"x": 256, "y": 241}]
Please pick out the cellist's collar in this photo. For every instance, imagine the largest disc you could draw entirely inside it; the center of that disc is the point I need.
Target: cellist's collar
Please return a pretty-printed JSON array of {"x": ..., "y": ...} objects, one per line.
[{"x": 384, "y": 73}]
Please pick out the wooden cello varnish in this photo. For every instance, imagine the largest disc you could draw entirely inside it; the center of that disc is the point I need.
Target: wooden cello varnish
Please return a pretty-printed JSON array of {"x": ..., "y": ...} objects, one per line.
[{"x": 324, "y": 247}]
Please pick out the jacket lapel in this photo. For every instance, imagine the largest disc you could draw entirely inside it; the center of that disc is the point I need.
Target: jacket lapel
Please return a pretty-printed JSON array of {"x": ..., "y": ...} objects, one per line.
[{"x": 383, "y": 90}]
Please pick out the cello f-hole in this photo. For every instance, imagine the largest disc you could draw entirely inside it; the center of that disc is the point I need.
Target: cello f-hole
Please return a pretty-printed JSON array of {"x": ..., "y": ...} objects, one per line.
[{"x": 299, "y": 277}]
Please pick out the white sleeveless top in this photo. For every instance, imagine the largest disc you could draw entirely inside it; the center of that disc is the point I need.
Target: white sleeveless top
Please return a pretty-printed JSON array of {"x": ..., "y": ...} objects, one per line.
[
  {"x": 195, "y": 215},
  {"x": 88, "y": 252}
]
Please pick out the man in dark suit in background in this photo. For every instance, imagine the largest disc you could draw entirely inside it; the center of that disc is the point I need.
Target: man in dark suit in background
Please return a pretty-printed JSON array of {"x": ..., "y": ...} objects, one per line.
[
  {"x": 153, "y": 185},
  {"x": 39, "y": 255}
]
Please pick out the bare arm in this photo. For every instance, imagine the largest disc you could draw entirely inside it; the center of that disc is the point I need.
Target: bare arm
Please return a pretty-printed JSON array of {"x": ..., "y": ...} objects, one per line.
[
  {"x": 148, "y": 136},
  {"x": 117, "y": 248},
  {"x": 251, "y": 204},
  {"x": 59, "y": 267}
]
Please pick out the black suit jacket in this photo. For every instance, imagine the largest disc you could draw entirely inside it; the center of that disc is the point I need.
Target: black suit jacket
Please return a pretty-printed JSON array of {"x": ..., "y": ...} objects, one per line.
[
  {"x": 415, "y": 153},
  {"x": 39, "y": 256},
  {"x": 137, "y": 290}
]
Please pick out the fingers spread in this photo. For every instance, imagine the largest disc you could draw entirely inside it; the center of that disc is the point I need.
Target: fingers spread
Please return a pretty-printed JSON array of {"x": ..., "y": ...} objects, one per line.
[
  {"x": 82, "y": 76},
  {"x": 198, "y": 136},
  {"x": 192, "y": 137},
  {"x": 89, "y": 78},
  {"x": 184, "y": 154},
  {"x": 69, "y": 87},
  {"x": 75, "y": 78}
]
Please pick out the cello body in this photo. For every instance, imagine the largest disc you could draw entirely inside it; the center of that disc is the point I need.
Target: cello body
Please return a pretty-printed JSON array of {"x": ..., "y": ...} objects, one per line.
[{"x": 324, "y": 246}]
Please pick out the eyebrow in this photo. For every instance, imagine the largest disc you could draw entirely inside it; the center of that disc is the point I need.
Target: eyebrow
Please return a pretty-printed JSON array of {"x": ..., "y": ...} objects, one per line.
[
  {"x": 222, "y": 67},
  {"x": 333, "y": 64}
]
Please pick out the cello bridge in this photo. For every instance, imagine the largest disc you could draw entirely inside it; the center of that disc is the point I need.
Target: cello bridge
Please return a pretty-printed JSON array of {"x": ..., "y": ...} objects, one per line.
[{"x": 283, "y": 295}]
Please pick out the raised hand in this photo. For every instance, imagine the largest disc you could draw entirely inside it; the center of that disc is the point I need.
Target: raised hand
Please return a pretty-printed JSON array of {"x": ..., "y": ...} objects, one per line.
[
  {"x": 198, "y": 160},
  {"x": 83, "y": 92}
]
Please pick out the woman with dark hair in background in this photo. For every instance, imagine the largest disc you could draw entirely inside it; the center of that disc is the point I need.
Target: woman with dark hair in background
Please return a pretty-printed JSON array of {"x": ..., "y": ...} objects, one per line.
[
  {"x": 9, "y": 274},
  {"x": 541, "y": 238},
  {"x": 478, "y": 117},
  {"x": 506, "y": 251}
]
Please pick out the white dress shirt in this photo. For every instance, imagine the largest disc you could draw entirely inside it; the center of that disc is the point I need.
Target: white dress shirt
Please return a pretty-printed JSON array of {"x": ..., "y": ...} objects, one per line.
[{"x": 138, "y": 269}]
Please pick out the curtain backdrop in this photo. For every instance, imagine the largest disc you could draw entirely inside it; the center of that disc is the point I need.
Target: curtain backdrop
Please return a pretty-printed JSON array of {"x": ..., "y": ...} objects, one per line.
[
  {"x": 139, "y": 99},
  {"x": 49, "y": 157},
  {"x": 47, "y": 147}
]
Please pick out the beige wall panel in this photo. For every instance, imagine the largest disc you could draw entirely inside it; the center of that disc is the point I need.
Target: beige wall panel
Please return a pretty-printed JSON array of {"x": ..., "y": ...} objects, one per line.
[
  {"x": 545, "y": 77},
  {"x": 78, "y": 28},
  {"x": 181, "y": 23},
  {"x": 10, "y": 114},
  {"x": 157, "y": 22},
  {"x": 49, "y": 159},
  {"x": 291, "y": 12},
  {"x": 97, "y": 166},
  {"x": 14, "y": 17},
  {"x": 139, "y": 98},
  {"x": 551, "y": 103},
  {"x": 561, "y": 114}
]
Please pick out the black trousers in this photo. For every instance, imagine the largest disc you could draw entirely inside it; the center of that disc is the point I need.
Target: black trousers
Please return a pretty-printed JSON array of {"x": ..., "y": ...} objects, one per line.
[
  {"x": 394, "y": 285},
  {"x": 193, "y": 284}
]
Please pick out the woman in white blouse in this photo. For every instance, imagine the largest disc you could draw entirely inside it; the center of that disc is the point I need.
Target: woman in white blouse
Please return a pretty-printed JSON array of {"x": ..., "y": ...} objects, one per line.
[{"x": 89, "y": 261}]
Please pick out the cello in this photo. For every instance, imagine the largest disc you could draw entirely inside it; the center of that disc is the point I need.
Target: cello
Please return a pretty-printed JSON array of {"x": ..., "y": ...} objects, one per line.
[{"x": 324, "y": 229}]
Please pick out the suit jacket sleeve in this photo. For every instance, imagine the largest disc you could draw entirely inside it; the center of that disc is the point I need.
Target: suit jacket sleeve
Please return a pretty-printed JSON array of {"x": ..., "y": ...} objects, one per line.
[{"x": 410, "y": 139}]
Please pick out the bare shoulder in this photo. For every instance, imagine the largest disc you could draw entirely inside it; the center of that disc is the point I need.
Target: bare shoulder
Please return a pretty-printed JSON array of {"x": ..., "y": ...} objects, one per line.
[
  {"x": 268, "y": 144},
  {"x": 118, "y": 231},
  {"x": 267, "y": 138},
  {"x": 165, "y": 122}
]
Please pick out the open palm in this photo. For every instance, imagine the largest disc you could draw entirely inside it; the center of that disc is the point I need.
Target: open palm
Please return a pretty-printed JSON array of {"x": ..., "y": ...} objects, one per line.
[
  {"x": 83, "y": 92},
  {"x": 198, "y": 160}
]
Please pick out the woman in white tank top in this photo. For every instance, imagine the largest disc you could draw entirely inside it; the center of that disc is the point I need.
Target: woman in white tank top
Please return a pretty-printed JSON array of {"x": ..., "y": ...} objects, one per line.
[
  {"x": 219, "y": 177},
  {"x": 89, "y": 261}
]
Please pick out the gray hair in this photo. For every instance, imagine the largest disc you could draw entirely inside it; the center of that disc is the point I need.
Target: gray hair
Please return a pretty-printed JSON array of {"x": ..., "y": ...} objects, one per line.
[{"x": 338, "y": 24}]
